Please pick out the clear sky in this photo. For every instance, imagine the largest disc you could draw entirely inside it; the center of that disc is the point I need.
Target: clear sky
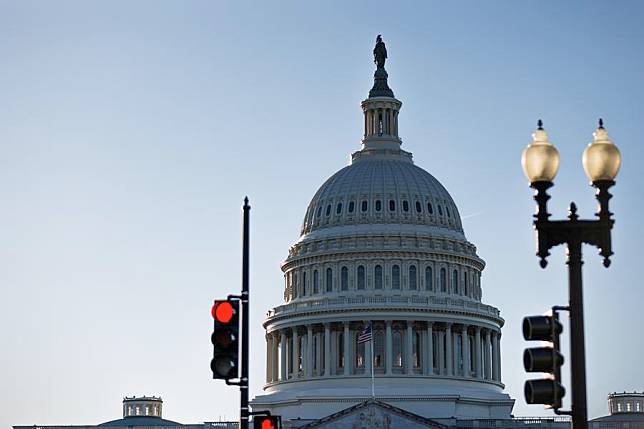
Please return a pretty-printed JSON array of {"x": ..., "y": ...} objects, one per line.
[{"x": 131, "y": 131}]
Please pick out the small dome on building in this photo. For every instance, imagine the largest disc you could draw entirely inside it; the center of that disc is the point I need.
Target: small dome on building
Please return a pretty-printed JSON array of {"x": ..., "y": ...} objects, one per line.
[{"x": 142, "y": 411}]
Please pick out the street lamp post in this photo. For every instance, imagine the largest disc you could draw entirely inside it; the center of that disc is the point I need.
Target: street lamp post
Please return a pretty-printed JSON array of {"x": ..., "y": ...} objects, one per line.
[{"x": 601, "y": 161}]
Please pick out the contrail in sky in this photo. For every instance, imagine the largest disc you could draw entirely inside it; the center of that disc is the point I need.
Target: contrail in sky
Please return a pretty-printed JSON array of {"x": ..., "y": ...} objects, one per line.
[{"x": 471, "y": 215}]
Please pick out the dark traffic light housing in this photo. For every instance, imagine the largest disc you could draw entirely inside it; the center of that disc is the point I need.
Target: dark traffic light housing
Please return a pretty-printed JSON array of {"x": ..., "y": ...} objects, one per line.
[
  {"x": 267, "y": 422},
  {"x": 225, "y": 339},
  {"x": 548, "y": 391}
]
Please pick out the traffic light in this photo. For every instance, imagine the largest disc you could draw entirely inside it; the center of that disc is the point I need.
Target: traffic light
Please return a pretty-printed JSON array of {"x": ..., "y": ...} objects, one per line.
[
  {"x": 267, "y": 422},
  {"x": 225, "y": 339},
  {"x": 548, "y": 391}
]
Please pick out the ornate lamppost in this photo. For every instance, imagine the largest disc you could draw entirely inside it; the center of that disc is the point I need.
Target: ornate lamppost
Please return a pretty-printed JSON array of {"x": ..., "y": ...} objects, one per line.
[{"x": 601, "y": 161}]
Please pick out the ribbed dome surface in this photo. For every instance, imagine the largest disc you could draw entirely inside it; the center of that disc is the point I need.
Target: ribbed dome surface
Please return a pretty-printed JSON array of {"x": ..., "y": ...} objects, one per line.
[{"x": 382, "y": 190}]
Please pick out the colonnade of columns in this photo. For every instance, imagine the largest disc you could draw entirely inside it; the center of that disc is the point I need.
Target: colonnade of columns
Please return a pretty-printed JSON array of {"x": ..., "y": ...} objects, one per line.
[
  {"x": 399, "y": 348},
  {"x": 381, "y": 121}
]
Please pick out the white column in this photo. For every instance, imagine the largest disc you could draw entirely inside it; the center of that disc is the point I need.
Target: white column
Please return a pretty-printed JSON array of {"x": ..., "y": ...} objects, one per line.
[
  {"x": 283, "y": 375},
  {"x": 488, "y": 355},
  {"x": 327, "y": 349},
  {"x": 441, "y": 352},
  {"x": 347, "y": 349},
  {"x": 368, "y": 359},
  {"x": 466, "y": 351},
  {"x": 319, "y": 358},
  {"x": 388, "y": 348},
  {"x": 309, "y": 351},
  {"x": 269, "y": 364},
  {"x": 430, "y": 349},
  {"x": 455, "y": 351},
  {"x": 498, "y": 356},
  {"x": 296, "y": 353},
  {"x": 477, "y": 352},
  {"x": 366, "y": 132},
  {"x": 448, "y": 345},
  {"x": 275, "y": 357},
  {"x": 495, "y": 357},
  {"x": 409, "y": 348}
]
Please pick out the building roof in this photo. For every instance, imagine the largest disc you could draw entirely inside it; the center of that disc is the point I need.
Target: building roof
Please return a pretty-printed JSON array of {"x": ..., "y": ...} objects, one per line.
[{"x": 141, "y": 421}]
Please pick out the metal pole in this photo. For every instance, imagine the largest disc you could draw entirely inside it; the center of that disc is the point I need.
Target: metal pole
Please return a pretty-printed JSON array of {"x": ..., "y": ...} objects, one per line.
[
  {"x": 243, "y": 386},
  {"x": 577, "y": 352}
]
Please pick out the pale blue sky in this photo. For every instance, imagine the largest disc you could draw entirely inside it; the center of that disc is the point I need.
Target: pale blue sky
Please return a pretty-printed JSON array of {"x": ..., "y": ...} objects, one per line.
[{"x": 131, "y": 131}]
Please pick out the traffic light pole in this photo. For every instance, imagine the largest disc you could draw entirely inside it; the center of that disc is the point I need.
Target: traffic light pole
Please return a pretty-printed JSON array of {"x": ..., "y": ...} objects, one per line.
[
  {"x": 245, "y": 298},
  {"x": 574, "y": 232}
]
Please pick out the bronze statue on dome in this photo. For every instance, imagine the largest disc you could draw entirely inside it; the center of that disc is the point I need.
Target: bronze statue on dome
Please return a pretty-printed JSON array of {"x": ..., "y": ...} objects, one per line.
[{"x": 380, "y": 53}]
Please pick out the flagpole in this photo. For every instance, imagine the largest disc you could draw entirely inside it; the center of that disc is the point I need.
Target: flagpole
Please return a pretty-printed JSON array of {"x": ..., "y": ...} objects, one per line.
[{"x": 373, "y": 378}]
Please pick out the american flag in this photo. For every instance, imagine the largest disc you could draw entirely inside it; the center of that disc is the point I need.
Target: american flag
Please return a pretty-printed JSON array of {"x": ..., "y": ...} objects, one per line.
[{"x": 365, "y": 336}]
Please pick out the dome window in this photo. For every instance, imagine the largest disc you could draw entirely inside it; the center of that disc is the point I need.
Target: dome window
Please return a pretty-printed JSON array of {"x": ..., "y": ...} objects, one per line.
[
  {"x": 344, "y": 278},
  {"x": 465, "y": 285},
  {"x": 364, "y": 206},
  {"x": 361, "y": 277},
  {"x": 443, "y": 280},
  {"x": 455, "y": 281},
  {"x": 429, "y": 278},
  {"x": 352, "y": 206},
  {"x": 329, "y": 280},
  {"x": 430, "y": 208},
  {"x": 440, "y": 210},
  {"x": 418, "y": 207},
  {"x": 395, "y": 277},
  {"x": 377, "y": 277},
  {"x": 447, "y": 210},
  {"x": 338, "y": 208},
  {"x": 378, "y": 205},
  {"x": 304, "y": 283},
  {"x": 392, "y": 206},
  {"x": 405, "y": 206},
  {"x": 328, "y": 209},
  {"x": 412, "y": 278},
  {"x": 316, "y": 282},
  {"x": 319, "y": 211}
]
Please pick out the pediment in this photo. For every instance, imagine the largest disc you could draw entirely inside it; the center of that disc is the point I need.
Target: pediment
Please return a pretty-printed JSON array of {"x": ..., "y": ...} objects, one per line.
[{"x": 373, "y": 414}]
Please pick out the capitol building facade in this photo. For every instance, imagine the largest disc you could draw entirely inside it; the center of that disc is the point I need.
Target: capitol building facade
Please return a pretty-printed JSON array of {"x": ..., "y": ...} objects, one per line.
[{"x": 382, "y": 250}]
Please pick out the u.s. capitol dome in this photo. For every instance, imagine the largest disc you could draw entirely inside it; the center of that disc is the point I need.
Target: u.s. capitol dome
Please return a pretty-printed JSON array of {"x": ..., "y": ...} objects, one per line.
[{"x": 382, "y": 252}]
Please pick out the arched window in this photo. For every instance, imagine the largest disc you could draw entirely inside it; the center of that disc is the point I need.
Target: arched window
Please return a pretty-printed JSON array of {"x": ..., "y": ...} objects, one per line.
[
  {"x": 466, "y": 288},
  {"x": 396, "y": 339},
  {"x": 352, "y": 206},
  {"x": 361, "y": 277},
  {"x": 429, "y": 278},
  {"x": 329, "y": 280},
  {"x": 316, "y": 282},
  {"x": 447, "y": 210},
  {"x": 340, "y": 350},
  {"x": 377, "y": 277},
  {"x": 392, "y": 205},
  {"x": 304, "y": 283},
  {"x": 440, "y": 210},
  {"x": 455, "y": 281},
  {"x": 395, "y": 277},
  {"x": 412, "y": 278},
  {"x": 338, "y": 208},
  {"x": 378, "y": 349},
  {"x": 344, "y": 278},
  {"x": 364, "y": 206},
  {"x": 443, "y": 280},
  {"x": 378, "y": 205},
  {"x": 405, "y": 206},
  {"x": 416, "y": 347},
  {"x": 430, "y": 208},
  {"x": 328, "y": 210},
  {"x": 418, "y": 207}
]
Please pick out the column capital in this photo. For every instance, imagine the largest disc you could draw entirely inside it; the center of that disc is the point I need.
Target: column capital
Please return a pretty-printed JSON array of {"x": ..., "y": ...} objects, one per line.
[
  {"x": 464, "y": 328},
  {"x": 477, "y": 329}
]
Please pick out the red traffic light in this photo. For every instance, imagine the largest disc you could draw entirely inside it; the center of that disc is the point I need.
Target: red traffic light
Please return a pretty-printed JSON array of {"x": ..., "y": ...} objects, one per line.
[
  {"x": 223, "y": 311},
  {"x": 270, "y": 422}
]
